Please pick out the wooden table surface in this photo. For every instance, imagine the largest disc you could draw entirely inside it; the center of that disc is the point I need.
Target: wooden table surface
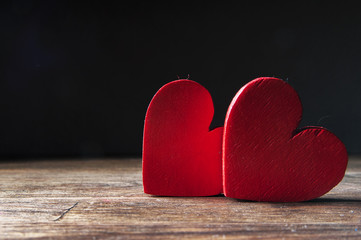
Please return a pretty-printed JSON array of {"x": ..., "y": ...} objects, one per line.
[{"x": 104, "y": 199}]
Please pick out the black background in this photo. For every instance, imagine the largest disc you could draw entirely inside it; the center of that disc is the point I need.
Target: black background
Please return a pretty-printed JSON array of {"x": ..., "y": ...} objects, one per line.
[{"x": 76, "y": 77}]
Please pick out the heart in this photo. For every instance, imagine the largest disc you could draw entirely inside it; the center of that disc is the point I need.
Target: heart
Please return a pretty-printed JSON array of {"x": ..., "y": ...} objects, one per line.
[
  {"x": 265, "y": 158},
  {"x": 181, "y": 156}
]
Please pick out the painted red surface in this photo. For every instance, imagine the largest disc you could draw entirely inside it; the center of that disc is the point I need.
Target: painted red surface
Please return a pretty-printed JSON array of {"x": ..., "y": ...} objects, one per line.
[
  {"x": 265, "y": 156},
  {"x": 181, "y": 157}
]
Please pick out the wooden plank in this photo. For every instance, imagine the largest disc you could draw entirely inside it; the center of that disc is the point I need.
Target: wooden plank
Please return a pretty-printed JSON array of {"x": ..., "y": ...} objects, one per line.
[{"x": 104, "y": 199}]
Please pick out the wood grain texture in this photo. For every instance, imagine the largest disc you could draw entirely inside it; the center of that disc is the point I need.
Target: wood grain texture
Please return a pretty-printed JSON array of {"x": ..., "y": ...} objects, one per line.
[{"x": 104, "y": 199}]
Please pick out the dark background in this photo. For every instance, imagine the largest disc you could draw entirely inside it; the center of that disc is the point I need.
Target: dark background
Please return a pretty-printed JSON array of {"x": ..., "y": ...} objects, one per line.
[{"x": 76, "y": 77}]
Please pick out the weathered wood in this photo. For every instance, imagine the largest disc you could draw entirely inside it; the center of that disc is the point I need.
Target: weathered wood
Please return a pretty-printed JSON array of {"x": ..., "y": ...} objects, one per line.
[{"x": 104, "y": 199}]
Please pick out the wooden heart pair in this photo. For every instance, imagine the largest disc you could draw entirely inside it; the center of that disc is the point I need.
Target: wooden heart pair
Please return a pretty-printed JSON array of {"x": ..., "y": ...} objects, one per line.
[{"x": 258, "y": 155}]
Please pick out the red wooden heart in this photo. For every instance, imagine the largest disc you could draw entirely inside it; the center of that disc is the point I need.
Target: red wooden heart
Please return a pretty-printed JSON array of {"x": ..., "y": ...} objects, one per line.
[
  {"x": 181, "y": 157},
  {"x": 266, "y": 159}
]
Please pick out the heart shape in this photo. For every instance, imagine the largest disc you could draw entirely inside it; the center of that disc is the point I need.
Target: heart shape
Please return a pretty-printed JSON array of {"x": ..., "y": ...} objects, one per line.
[
  {"x": 265, "y": 158},
  {"x": 181, "y": 157}
]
